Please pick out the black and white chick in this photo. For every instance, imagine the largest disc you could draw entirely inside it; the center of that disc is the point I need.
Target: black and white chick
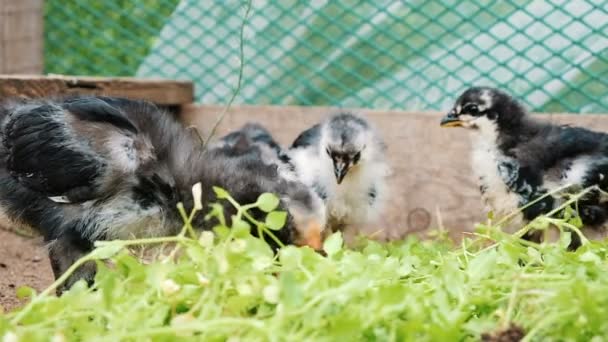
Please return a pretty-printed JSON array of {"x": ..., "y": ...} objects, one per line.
[
  {"x": 519, "y": 159},
  {"x": 255, "y": 138},
  {"x": 343, "y": 160},
  {"x": 87, "y": 168},
  {"x": 254, "y": 141}
]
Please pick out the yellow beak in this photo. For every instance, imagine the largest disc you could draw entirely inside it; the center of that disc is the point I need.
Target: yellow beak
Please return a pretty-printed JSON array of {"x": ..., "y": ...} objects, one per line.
[{"x": 451, "y": 120}]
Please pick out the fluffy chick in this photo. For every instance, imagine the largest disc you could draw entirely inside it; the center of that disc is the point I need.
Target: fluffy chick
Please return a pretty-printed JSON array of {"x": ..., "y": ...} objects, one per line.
[
  {"x": 306, "y": 207},
  {"x": 255, "y": 138},
  {"x": 82, "y": 169},
  {"x": 79, "y": 170},
  {"x": 343, "y": 160},
  {"x": 519, "y": 159}
]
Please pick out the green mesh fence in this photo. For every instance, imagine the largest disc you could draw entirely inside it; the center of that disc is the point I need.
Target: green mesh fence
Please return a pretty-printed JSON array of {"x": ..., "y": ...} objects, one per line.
[{"x": 415, "y": 55}]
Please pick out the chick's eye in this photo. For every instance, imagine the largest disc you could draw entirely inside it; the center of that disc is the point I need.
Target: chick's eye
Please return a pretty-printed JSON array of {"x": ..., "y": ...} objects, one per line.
[
  {"x": 356, "y": 157},
  {"x": 472, "y": 109},
  {"x": 328, "y": 151}
]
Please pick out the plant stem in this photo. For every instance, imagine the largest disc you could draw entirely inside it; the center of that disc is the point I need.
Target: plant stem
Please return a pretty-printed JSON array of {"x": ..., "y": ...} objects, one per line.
[
  {"x": 51, "y": 288},
  {"x": 239, "y": 81}
]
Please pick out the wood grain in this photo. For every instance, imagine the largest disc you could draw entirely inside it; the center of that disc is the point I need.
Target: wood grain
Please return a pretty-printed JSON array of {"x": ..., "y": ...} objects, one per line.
[
  {"x": 21, "y": 36},
  {"x": 162, "y": 92},
  {"x": 432, "y": 179}
]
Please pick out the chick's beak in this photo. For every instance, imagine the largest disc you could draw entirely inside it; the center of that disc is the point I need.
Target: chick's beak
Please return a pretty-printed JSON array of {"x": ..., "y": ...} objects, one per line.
[
  {"x": 313, "y": 236},
  {"x": 451, "y": 120},
  {"x": 340, "y": 170}
]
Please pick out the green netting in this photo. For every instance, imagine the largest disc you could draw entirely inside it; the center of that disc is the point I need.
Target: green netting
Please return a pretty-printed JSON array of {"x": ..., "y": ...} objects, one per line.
[{"x": 415, "y": 55}]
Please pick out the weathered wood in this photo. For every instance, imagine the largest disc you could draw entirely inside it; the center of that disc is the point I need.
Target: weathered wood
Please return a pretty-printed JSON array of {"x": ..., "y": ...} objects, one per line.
[
  {"x": 162, "y": 92},
  {"x": 8, "y": 6},
  {"x": 432, "y": 176},
  {"x": 21, "y": 36}
]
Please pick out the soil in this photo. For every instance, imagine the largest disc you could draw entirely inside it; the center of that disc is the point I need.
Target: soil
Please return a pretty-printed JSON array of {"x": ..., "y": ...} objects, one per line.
[
  {"x": 513, "y": 333},
  {"x": 23, "y": 261}
]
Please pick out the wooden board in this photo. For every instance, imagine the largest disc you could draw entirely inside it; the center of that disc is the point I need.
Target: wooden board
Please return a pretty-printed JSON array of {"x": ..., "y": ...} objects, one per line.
[
  {"x": 162, "y": 92},
  {"x": 432, "y": 176},
  {"x": 21, "y": 36}
]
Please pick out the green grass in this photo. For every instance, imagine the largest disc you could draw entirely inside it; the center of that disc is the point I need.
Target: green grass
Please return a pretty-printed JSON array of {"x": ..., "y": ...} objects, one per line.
[
  {"x": 108, "y": 38},
  {"x": 230, "y": 286}
]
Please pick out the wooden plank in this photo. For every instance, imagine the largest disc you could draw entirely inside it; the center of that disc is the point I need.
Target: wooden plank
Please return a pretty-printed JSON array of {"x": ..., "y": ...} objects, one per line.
[
  {"x": 22, "y": 25},
  {"x": 162, "y": 92},
  {"x": 18, "y": 62},
  {"x": 432, "y": 175},
  {"x": 21, "y": 36},
  {"x": 11, "y": 6}
]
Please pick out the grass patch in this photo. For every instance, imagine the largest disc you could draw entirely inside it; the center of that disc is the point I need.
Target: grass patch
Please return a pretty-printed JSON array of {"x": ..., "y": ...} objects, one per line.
[{"x": 230, "y": 284}]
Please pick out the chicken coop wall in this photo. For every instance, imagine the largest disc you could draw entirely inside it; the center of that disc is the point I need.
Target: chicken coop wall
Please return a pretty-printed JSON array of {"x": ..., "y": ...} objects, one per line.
[
  {"x": 432, "y": 185},
  {"x": 21, "y": 36}
]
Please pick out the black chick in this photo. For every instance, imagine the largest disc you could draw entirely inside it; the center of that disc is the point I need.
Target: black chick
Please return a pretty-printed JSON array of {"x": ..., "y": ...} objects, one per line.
[
  {"x": 82, "y": 169},
  {"x": 255, "y": 138},
  {"x": 253, "y": 143},
  {"x": 78, "y": 170},
  {"x": 519, "y": 159}
]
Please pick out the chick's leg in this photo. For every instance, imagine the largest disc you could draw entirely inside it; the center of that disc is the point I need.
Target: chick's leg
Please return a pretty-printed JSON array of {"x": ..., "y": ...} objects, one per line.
[{"x": 63, "y": 253}]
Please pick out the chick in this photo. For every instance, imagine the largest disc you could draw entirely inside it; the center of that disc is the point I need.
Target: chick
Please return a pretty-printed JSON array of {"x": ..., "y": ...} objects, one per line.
[
  {"x": 256, "y": 138},
  {"x": 343, "y": 159},
  {"x": 254, "y": 144},
  {"x": 79, "y": 170},
  {"x": 82, "y": 169},
  {"x": 519, "y": 159}
]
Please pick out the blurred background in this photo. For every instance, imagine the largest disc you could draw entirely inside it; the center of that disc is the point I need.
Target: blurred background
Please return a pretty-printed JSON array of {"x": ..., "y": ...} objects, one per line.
[{"x": 404, "y": 55}]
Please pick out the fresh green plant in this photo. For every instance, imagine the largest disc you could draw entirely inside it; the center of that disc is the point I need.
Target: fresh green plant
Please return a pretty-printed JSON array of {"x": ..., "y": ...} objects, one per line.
[{"x": 230, "y": 285}]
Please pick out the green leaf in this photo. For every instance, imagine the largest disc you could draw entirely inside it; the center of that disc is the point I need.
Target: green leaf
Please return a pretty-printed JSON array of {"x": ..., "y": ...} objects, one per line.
[
  {"x": 568, "y": 213},
  {"x": 222, "y": 232},
  {"x": 482, "y": 265},
  {"x": 196, "y": 253},
  {"x": 25, "y": 292},
  {"x": 576, "y": 221},
  {"x": 220, "y": 193},
  {"x": 128, "y": 265},
  {"x": 240, "y": 228},
  {"x": 565, "y": 238},
  {"x": 591, "y": 257},
  {"x": 267, "y": 202},
  {"x": 534, "y": 254},
  {"x": 333, "y": 244},
  {"x": 276, "y": 220},
  {"x": 206, "y": 239},
  {"x": 106, "y": 251},
  {"x": 290, "y": 292},
  {"x": 290, "y": 256},
  {"x": 217, "y": 212}
]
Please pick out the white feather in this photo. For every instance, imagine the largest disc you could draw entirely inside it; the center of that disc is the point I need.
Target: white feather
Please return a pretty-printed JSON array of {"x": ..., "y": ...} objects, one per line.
[
  {"x": 60, "y": 199},
  {"x": 123, "y": 218},
  {"x": 347, "y": 203},
  {"x": 485, "y": 160}
]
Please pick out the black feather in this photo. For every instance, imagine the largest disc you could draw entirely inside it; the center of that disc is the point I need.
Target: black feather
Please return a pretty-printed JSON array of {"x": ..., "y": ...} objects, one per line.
[
  {"x": 95, "y": 109},
  {"x": 309, "y": 137},
  {"x": 41, "y": 154}
]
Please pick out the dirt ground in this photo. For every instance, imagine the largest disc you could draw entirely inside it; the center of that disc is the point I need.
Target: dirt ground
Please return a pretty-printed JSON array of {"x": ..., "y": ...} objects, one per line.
[{"x": 23, "y": 261}]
